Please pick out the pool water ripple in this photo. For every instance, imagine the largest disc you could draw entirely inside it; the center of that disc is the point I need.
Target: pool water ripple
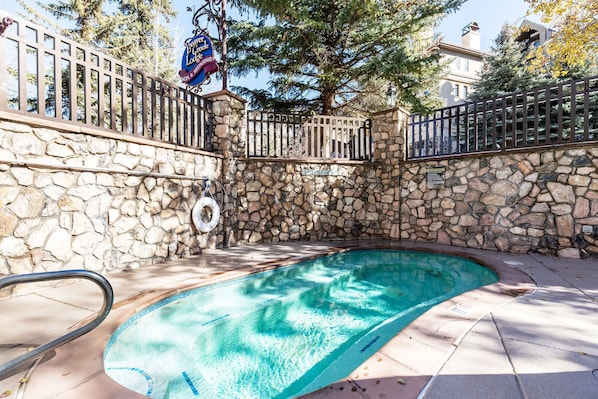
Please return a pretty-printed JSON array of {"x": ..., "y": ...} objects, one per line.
[{"x": 286, "y": 332}]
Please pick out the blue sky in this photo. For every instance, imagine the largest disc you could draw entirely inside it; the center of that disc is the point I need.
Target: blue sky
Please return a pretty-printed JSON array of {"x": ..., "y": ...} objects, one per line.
[{"x": 490, "y": 15}]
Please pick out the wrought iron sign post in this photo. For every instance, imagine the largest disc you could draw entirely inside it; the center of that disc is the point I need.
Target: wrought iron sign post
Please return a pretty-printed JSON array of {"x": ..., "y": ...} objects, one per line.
[
  {"x": 198, "y": 61},
  {"x": 4, "y": 24}
]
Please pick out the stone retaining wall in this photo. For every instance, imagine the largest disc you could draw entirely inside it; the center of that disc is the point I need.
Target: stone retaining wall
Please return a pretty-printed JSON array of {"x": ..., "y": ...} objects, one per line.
[
  {"x": 73, "y": 200},
  {"x": 97, "y": 200},
  {"x": 544, "y": 201},
  {"x": 282, "y": 201}
]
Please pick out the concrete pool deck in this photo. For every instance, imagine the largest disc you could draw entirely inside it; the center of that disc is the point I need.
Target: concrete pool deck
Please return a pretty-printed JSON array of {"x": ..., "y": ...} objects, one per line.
[{"x": 532, "y": 335}]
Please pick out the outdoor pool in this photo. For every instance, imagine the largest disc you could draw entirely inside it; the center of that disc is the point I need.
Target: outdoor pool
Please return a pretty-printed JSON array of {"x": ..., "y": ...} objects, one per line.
[{"x": 285, "y": 332}]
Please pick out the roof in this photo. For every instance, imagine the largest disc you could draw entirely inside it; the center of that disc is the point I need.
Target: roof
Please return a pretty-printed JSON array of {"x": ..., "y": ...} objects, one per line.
[{"x": 462, "y": 49}]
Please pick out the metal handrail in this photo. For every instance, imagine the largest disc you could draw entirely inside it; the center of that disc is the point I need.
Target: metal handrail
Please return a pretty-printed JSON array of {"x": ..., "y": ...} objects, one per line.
[{"x": 59, "y": 275}]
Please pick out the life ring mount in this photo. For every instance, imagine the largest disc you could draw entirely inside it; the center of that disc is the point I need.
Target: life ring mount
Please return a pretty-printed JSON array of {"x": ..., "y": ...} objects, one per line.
[{"x": 198, "y": 210}]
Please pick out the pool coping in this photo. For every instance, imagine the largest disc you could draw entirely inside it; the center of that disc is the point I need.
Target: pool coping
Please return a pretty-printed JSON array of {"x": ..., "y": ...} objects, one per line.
[{"x": 404, "y": 366}]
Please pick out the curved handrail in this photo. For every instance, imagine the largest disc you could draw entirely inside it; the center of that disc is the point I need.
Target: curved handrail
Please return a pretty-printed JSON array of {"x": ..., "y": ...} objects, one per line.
[{"x": 59, "y": 275}]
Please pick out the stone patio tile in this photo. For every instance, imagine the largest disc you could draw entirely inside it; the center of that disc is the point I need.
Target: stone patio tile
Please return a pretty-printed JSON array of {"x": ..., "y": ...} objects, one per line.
[
  {"x": 480, "y": 352},
  {"x": 547, "y": 373},
  {"x": 34, "y": 319},
  {"x": 479, "y": 368},
  {"x": 566, "y": 328},
  {"x": 485, "y": 386}
]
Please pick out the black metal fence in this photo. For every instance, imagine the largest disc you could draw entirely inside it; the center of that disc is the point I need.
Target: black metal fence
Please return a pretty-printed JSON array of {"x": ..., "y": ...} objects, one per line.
[
  {"x": 556, "y": 114},
  {"x": 277, "y": 135},
  {"x": 50, "y": 77}
]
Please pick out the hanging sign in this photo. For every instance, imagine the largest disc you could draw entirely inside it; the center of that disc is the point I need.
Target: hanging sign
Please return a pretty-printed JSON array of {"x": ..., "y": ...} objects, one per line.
[{"x": 198, "y": 61}]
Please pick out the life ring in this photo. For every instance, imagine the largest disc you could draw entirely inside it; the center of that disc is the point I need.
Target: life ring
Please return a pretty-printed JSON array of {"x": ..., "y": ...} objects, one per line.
[{"x": 197, "y": 211}]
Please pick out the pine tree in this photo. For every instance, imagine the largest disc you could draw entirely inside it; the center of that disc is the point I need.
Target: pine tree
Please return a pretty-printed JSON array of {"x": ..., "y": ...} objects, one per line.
[
  {"x": 134, "y": 33},
  {"x": 140, "y": 38},
  {"x": 87, "y": 17},
  {"x": 322, "y": 55},
  {"x": 505, "y": 69}
]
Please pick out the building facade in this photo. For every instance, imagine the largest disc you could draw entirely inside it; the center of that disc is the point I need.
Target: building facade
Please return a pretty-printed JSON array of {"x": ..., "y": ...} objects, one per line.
[
  {"x": 464, "y": 65},
  {"x": 534, "y": 34}
]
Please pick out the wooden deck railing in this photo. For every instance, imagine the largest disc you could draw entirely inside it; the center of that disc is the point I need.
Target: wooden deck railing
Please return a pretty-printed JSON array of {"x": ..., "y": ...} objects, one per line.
[
  {"x": 558, "y": 114},
  {"x": 276, "y": 135},
  {"x": 47, "y": 76}
]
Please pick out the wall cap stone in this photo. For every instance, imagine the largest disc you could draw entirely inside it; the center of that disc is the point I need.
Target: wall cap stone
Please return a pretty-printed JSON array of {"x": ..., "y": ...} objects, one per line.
[{"x": 225, "y": 92}]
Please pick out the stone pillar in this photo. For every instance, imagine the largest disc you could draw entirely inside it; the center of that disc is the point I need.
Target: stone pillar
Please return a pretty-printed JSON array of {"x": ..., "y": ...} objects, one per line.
[
  {"x": 230, "y": 121},
  {"x": 388, "y": 129}
]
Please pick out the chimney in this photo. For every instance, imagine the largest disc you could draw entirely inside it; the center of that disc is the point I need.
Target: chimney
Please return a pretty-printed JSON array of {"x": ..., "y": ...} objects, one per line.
[{"x": 470, "y": 36}]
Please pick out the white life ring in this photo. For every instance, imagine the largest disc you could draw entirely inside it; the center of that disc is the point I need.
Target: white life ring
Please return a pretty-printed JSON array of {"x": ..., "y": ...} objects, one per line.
[{"x": 196, "y": 214}]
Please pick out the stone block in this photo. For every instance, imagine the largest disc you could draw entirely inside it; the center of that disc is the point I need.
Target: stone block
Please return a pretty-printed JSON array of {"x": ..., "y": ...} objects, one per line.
[
  {"x": 564, "y": 225},
  {"x": 572, "y": 253},
  {"x": 561, "y": 193},
  {"x": 537, "y": 220},
  {"x": 493, "y": 199},
  {"x": 468, "y": 220},
  {"x": 561, "y": 209},
  {"x": 487, "y": 220},
  {"x": 8, "y": 222},
  {"x": 576, "y": 180}
]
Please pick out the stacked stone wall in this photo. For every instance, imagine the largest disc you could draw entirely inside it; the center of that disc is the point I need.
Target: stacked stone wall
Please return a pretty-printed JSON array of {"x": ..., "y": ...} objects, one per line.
[
  {"x": 72, "y": 200},
  {"x": 282, "y": 201},
  {"x": 544, "y": 201},
  {"x": 230, "y": 123}
]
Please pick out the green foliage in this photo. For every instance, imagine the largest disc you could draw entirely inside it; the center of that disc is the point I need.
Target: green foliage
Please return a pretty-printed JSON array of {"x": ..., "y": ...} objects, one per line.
[
  {"x": 140, "y": 38},
  {"x": 87, "y": 17},
  {"x": 505, "y": 68},
  {"x": 574, "y": 45},
  {"x": 509, "y": 68},
  {"x": 134, "y": 32},
  {"x": 325, "y": 56}
]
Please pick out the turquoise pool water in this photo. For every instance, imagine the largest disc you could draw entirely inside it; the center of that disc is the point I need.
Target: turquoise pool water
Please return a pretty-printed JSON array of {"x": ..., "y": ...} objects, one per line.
[{"x": 286, "y": 332}]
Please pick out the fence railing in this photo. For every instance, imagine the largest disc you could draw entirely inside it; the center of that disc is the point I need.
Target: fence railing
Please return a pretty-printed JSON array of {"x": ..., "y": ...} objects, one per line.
[
  {"x": 47, "y": 76},
  {"x": 276, "y": 135},
  {"x": 556, "y": 114}
]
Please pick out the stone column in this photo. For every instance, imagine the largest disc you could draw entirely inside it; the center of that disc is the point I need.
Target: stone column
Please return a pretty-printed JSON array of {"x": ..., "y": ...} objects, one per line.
[
  {"x": 388, "y": 129},
  {"x": 230, "y": 121}
]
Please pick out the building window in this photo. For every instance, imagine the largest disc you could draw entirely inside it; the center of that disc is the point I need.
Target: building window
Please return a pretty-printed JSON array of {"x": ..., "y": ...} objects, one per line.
[
  {"x": 466, "y": 65},
  {"x": 465, "y": 90},
  {"x": 456, "y": 90},
  {"x": 457, "y": 63}
]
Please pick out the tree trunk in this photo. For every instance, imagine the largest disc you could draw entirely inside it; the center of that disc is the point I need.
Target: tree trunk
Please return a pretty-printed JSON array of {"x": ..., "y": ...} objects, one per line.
[{"x": 328, "y": 102}]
